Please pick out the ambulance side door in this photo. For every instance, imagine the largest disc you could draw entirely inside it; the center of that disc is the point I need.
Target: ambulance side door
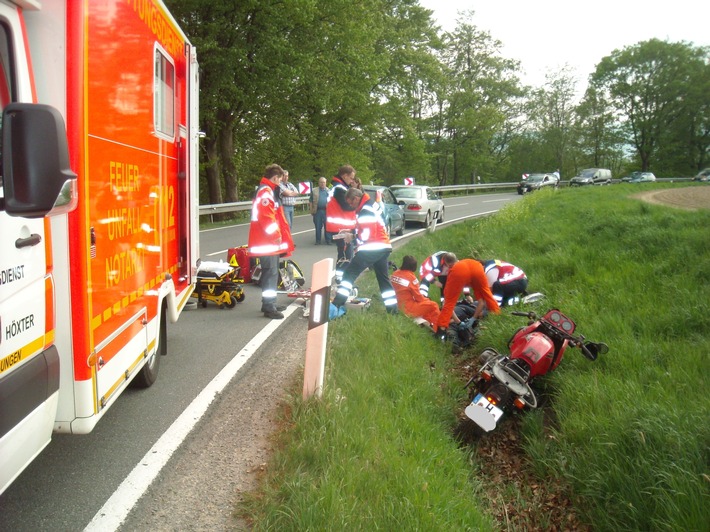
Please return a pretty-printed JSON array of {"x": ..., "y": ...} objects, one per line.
[{"x": 29, "y": 370}]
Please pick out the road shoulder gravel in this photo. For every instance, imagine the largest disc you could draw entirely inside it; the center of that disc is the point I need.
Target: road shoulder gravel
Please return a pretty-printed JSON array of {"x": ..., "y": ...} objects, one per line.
[{"x": 221, "y": 459}]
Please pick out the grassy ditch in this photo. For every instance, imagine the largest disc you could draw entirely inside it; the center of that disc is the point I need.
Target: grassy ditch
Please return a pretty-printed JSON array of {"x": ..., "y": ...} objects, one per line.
[{"x": 628, "y": 435}]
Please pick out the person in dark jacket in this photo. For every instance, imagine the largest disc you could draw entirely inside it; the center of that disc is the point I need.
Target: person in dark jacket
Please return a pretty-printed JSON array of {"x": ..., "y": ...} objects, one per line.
[{"x": 319, "y": 200}]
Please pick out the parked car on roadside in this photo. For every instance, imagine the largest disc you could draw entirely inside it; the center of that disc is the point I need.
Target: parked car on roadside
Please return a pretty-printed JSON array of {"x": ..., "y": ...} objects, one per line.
[
  {"x": 393, "y": 211},
  {"x": 644, "y": 177},
  {"x": 703, "y": 175},
  {"x": 591, "y": 176},
  {"x": 536, "y": 182},
  {"x": 421, "y": 203}
]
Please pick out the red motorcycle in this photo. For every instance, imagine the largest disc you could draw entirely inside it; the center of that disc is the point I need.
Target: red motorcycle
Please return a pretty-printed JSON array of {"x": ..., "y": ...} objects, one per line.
[{"x": 537, "y": 349}]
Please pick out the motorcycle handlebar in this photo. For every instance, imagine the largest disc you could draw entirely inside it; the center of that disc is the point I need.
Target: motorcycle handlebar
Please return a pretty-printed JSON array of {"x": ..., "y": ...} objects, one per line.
[
  {"x": 587, "y": 353},
  {"x": 529, "y": 315}
]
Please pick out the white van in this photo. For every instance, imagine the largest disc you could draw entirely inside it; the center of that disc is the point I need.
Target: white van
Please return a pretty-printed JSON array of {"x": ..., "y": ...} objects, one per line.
[{"x": 591, "y": 176}]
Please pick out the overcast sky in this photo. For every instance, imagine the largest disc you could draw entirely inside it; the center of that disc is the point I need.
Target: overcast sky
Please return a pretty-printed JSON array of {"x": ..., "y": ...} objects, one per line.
[{"x": 544, "y": 35}]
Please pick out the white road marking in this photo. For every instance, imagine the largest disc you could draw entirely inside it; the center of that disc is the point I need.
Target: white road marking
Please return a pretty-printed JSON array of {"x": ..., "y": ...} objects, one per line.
[{"x": 114, "y": 512}]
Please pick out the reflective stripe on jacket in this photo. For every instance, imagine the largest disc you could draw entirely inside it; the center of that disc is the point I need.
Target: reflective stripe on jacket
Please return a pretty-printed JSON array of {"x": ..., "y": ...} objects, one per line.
[
  {"x": 338, "y": 214},
  {"x": 371, "y": 230},
  {"x": 410, "y": 300},
  {"x": 506, "y": 272},
  {"x": 432, "y": 267},
  {"x": 269, "y": 233}
]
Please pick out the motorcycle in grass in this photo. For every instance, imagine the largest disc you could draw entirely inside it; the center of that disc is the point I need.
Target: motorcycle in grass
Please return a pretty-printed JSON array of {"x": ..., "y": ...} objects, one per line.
[{"x": 504, "y": 381}]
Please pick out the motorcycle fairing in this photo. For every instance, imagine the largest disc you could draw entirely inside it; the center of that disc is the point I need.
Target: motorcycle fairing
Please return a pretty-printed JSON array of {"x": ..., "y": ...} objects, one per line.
[{"x": 536, "y": 349}]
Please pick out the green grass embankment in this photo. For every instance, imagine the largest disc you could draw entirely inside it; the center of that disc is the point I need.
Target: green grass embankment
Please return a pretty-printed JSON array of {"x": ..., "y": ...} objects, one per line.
[{"x": 632, "y": 430}]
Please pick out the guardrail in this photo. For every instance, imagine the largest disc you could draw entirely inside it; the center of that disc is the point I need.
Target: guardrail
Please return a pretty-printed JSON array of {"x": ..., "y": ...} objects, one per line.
[
  {"x": 209, "y": 210},
  {"x": 218, "y": 208}
]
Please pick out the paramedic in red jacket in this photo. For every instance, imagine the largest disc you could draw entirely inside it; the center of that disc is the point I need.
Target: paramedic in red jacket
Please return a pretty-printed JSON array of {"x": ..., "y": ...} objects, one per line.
[
  {"x": 269, "y": 238},
  {"x": 507, "y": 282},
  {"x": 433, "y": 270},
  {"x": 340, "y": 216},
  {"x": 409, "y": 298},
  {"x": 465, "y": 273},
  {"x": 372, "y": 251}
]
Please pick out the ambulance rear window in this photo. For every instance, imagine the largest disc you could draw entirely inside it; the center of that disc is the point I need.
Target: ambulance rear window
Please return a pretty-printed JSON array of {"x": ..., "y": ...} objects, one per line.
[{"x": 164, "y": 95}]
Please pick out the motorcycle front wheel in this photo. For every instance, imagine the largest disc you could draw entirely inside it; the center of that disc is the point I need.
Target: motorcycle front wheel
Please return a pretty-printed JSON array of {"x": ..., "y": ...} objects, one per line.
[{"x": 530, "y": 398}]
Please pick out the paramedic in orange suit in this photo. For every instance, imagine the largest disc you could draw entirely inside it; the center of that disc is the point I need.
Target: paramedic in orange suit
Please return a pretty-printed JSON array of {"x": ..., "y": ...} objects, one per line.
[
  {"x": 409, "y": 298},
  {"x": 466, "y": 272}
]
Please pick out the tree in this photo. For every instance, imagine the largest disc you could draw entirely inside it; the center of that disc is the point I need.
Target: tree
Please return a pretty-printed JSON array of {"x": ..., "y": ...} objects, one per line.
[
  {"x": 473, "y": 105},
  {"x": 648, "y": 86},
  {"x": 304, "y": 84},
  {"x": 551, "y": 111},
  {"x": 599, "y": 141}
]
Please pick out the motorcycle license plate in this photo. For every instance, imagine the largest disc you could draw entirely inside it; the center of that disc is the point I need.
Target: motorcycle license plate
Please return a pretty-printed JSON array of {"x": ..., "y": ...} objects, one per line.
[{"x": 483, "y": 413}]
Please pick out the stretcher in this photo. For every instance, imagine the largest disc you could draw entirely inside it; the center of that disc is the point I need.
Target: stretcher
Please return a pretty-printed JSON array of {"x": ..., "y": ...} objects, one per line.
[{"x": 220, "y": 283}]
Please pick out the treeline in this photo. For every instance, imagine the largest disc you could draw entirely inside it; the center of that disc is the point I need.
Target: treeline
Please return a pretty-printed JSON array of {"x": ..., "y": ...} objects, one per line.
[{"x": 313, "y": 84}]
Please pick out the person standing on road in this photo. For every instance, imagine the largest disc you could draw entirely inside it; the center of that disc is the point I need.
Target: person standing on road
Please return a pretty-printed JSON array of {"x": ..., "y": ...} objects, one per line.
[
  {"x": 340, "y": 216},
  {"x": 465, "y": 273},
  {"x": 507, "y": 282},
  {"x": 269, "y": 238},
  {"x": 319, "y": 199},
  {"x": 372, "y": 252},
  {"x": 409, "y": 298},
  {"x": 288, "y": 198}
]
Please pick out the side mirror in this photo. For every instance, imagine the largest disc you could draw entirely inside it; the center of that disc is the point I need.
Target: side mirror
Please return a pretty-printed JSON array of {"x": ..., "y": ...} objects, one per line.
[
  {"x": 592, "y": 350},
  {"x": 402, "y": 203},
  {"x": 37, "y": 178}
]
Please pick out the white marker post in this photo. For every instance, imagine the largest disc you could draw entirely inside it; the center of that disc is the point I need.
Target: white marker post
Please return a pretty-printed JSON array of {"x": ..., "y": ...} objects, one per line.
[{"x": 317, "y": 328}]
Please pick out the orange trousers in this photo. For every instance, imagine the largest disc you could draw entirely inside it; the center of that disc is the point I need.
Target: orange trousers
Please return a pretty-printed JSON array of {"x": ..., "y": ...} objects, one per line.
[{"x": 426, "y": 309}]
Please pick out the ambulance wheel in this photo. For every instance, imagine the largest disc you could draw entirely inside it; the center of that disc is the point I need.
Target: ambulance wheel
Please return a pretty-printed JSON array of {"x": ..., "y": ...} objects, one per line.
[
  {"x": 149, "y": 372},
  {"x": 240, "y": 297}
]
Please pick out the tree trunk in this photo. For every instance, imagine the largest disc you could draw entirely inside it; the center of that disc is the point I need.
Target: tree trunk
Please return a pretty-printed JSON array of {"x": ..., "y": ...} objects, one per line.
[
  {"x": 214, "y": 191},
  {"x": 226, "y": 156}
]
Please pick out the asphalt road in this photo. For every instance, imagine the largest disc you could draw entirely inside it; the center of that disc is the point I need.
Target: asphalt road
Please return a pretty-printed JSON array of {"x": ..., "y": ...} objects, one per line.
[{"x": 72, "y": 479}]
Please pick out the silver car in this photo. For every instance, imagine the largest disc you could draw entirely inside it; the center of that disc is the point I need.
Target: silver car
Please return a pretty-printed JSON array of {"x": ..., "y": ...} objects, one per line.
[
  {"x": 644, "y": 177},
  {"x": 421, "y": 203},
  {"x": 591, "y": 176}
]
